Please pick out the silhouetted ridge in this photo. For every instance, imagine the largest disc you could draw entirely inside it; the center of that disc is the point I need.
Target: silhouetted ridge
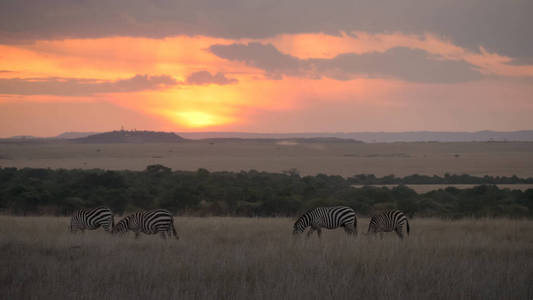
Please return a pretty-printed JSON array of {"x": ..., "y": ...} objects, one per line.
[
  {"x": 284, "y": 140},
  {"x": 75, "y": 135},
  {"x": 124, "y": 136},
  {"x": 379, "y": 137}
]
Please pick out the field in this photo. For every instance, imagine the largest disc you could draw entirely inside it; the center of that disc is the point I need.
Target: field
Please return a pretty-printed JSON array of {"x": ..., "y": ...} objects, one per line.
[
  {"x": 424, "y": 188},
  {"x": 346, "y": 159},
  {"x": 256, "y": 258}
]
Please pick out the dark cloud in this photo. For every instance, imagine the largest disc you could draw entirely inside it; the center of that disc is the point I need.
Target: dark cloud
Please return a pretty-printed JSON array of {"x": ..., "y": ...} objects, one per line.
[
  {"x": 265, "y": 57},
  {"x": 204, "y": 77},
  {"x": 401, "y": 63},
  {"x": 501, "y": 26},
  {"x": 82, "y": 87},
  {"x": 522, "y": 61}
]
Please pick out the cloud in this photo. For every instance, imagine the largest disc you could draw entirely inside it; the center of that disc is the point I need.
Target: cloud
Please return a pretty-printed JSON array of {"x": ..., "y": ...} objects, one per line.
[
  {"x": 500, "y": 26},
  {"x": 406, "y": 64},
  {"x": 265, "y": 57},
  {"x": 401, "y": 63},
  {"x": 204, "y": 78},
  {"x": 521, "y": 61},
  {"x": 82, "y": 87}
]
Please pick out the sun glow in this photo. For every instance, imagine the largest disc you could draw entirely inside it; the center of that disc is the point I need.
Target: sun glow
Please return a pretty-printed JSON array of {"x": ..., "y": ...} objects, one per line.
[
  {"x": 198, "y": 119},
  {"x": 240, "y": 103}
]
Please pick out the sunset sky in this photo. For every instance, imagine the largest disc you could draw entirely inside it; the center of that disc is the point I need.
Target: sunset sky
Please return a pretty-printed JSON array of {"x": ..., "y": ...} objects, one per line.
[{"x": 265, "y": 66}]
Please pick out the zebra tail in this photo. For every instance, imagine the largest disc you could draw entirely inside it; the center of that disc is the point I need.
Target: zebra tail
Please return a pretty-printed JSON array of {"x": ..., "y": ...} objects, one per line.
[
  {"x": 407, "y": 225},
  {"x": 174, "y": 230}
]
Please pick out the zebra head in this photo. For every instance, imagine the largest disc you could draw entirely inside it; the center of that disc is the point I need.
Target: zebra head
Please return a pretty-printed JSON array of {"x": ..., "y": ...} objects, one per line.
[
  {"x": 112, "y": 224},
  {"x": 121, "y": 227},
  {"x": 301, "y": 224},
  {"x": 373, "y": 226}
]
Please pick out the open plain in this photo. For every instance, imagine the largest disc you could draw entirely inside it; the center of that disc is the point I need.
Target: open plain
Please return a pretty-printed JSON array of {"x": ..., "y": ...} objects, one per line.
[
  {"x": 424, "y": 188},
  {"x": 258, "y": 258},
  {"x": 310, "y": 158}
]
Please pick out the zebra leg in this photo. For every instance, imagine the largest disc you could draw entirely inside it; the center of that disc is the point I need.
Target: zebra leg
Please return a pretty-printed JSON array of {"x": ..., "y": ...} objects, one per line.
[
  {"x": 174, "y": 231},
  {"x": 136, "y": 234},
  {"x": 163, "y": 235},
  {"x": 311, "y": 230},
  {"x": 319, "y": 232},
  {"x": 381, "y": 235},
  {"x": 398, "y": 231},
  {"x": 350, "y": 229}
]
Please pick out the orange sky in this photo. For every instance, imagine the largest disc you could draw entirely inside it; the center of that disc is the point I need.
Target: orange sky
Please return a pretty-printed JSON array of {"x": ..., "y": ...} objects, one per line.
[{"x": 292, "y": 82}]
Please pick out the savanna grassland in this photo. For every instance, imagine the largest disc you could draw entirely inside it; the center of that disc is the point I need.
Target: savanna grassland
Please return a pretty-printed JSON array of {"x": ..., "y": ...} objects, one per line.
[
  {"x": 310, "y": 158},
  {"x": 424, "y": 188},
  {"x": 257, "y": 258}
]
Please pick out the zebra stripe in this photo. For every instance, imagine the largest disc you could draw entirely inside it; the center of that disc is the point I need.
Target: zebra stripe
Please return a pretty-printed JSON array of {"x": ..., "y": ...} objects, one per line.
[
  {"x": 392, "y": 220},
  {"x": 148, "y": 222},
  {"x": 92, "y": 218},
  {"x": 327, "y": 217}
]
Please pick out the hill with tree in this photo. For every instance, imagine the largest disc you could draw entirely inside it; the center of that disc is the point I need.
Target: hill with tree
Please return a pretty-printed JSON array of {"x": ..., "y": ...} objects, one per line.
[{"x": 134, "y": 136}]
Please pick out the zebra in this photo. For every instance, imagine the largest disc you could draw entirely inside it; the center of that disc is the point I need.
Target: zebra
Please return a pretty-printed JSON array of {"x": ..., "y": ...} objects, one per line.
[
  {"x": 92, "y": 218},
  {"x": 392, "y": 220},
  {"x": 148, "y": 222},
  {"x": 327, "y": 217}
]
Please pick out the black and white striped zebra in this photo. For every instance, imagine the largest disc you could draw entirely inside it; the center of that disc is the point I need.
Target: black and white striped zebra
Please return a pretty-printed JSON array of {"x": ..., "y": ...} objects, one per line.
[
  {"x": 392, "y": 220},
  {"x": 148, "y": 222},
  {"x": 92, "y": 218},
  {"x": 327, "y": 217}
]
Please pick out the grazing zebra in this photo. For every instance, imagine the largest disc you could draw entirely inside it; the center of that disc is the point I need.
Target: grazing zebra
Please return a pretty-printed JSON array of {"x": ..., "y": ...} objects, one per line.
[
  {"x": 327, "y": 217},
  {"x": 148, "y": 222},
  {"x": 92, "y": 218},
  {"x": 388, "y": 221}
]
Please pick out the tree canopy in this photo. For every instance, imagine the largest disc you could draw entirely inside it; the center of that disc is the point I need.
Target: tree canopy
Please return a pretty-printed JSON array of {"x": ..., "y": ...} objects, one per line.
[{"x": 252, "y": 193}]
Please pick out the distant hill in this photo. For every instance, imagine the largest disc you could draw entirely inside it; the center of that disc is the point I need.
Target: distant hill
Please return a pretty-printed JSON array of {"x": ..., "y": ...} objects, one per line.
[
  {"x": 379, "y": 137},
  {"x": 332, "y": 137},
  {"x": 284, "y": 140},
  {"x": 137, "y": 137},
  {"x": 75, "y": 135},
  {"x": 23, "y": 137}
]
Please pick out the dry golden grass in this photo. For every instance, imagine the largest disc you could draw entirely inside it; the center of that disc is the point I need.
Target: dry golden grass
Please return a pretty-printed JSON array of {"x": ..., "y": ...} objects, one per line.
[
  {"x": 346, "y": 159},
  {"x": 256, "y": 258}
]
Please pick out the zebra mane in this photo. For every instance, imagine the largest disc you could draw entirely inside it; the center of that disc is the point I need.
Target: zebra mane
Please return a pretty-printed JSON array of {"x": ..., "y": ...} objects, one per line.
[
  {"x": 125, "y": 219},
  {"x": 302, "y": 216}
]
